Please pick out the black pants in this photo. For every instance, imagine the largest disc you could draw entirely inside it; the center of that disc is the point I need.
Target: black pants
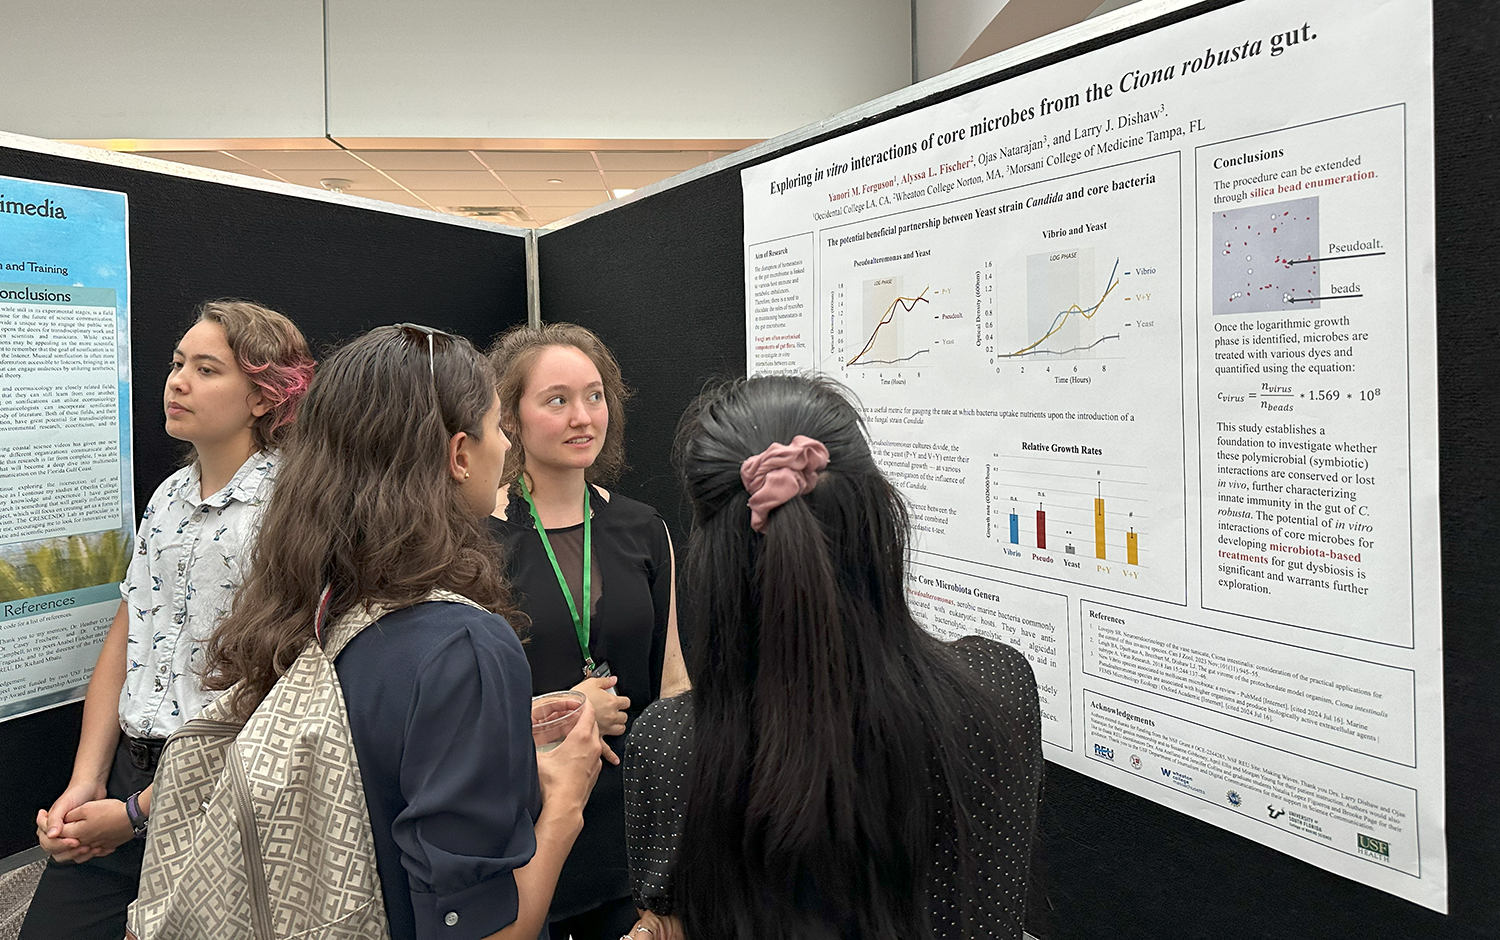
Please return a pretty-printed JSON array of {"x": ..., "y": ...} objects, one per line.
[
  {"x": 608, "y": 921},
  {"x": 87, "y": 901}
]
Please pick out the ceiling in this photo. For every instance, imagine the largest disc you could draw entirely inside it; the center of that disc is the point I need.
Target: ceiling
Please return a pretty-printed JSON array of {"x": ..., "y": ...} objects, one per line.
[
  {"x": 537, "y": 187},
  {"x": 519, "y": 187}
]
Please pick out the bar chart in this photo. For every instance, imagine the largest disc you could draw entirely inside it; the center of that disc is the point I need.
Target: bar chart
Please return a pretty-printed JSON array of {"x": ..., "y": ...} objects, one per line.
[
  {"x": 1087, "y": 520},
  {"x": 1127, "y": 549}
]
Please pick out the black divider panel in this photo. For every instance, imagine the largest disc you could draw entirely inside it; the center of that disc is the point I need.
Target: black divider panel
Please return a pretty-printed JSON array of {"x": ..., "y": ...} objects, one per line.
[
  {"x": 662, "y": 283},
  {"x": 662, "y": 280},
  {"x": 336, "y": 270}
]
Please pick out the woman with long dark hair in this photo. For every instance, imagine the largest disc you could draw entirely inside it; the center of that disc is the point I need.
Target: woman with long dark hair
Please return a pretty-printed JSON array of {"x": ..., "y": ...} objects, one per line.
[
  {"x": 836, "y": 771},
  {"x": 387, "y": 481}
]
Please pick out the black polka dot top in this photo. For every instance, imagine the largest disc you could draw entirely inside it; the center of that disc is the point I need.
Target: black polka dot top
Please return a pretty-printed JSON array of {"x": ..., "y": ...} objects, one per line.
[{"x": 1003, "y": 797}]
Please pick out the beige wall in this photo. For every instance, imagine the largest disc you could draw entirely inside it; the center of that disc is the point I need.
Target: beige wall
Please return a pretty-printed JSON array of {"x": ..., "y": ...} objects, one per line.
[
  {"x": 495, "y": 69},
  {"x": 956, "y": 32},
  {"x": 946, "y": 29},
  {"x": 603, "y": 68},
  {"x": 162, "y": 68}
]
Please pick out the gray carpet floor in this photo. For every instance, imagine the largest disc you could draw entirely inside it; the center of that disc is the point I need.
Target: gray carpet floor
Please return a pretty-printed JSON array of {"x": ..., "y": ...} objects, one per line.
[
  {"x": 15, "y": 897},
  {"x": 16, "y": 888}
]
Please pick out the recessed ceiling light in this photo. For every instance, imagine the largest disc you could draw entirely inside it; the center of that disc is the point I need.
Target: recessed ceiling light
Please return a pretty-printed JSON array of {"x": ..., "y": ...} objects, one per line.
[
  {"x": 335, "y": 185},
  {"x": 621, "y": 193},
  {"x": 555, "y": 181}
]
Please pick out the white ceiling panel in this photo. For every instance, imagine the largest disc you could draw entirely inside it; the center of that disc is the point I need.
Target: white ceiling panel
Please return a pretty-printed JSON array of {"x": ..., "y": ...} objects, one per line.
[
  {"x": 674, "y": 160},
  {"x": 547, "y": 197},
  {"x": 362, "y": 178},
  {"x": 537, "y": 180},
  {"x": 212, "y": 159},
  {"x": 468, "y": 197},
  {"x": 399, "y": 196},
  {"x": 421, "y": 159},
  {"x": 253, "y": 173},
  {"x": 278, "y": 160},
  {"x": 626, "y": 179},
  {"x": 446, "y": 179},
  {"x": 540, "y": 160}
]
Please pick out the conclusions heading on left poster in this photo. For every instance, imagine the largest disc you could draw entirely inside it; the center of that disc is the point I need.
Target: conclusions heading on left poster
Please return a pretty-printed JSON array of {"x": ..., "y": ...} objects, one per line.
[{"x": 66, "y": 503}]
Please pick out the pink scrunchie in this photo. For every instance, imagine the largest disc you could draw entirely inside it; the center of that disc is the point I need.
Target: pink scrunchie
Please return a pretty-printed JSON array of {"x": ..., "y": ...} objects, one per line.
[{"x": 780, "y": 472}]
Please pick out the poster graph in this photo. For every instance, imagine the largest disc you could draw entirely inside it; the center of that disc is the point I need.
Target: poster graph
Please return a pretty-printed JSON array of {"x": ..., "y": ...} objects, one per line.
[
  {"x": 1058, "y": 285},
  {"x": 887, "y": 318}
]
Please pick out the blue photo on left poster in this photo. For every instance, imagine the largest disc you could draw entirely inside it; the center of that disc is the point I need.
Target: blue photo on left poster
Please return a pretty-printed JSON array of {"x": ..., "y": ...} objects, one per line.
[{"x": 66, "y": 489}]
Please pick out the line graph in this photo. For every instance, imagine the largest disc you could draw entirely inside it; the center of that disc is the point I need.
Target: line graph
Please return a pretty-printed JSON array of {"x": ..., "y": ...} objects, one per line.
[
  {"x": 1061, "y": 352},
  {"x": 1052, "y": 278},
  {"x": 887, "y": 362},
  {"x": 883, "y": 347}
]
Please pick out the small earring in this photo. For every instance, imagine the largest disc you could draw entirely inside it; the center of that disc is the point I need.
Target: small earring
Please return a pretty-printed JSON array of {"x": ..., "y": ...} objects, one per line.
[{"x": 466, "y": 474}]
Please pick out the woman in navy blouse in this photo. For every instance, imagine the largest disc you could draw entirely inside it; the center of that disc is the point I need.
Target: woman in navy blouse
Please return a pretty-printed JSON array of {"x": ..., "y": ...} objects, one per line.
[{"x": 395, "y": 464}]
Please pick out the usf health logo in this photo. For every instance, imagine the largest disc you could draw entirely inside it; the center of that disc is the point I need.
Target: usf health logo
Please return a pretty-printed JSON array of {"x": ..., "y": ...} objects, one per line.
[{"x": 1368, "y": 845}]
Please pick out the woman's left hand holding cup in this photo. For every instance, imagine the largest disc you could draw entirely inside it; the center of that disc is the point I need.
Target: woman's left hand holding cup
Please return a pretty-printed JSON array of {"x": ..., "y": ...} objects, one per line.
[{"x": 568, "y": 770}]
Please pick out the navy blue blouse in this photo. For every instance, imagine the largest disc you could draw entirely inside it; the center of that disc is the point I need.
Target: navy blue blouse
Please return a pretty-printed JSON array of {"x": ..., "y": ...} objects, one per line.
[{"x": 439, "y": 700}]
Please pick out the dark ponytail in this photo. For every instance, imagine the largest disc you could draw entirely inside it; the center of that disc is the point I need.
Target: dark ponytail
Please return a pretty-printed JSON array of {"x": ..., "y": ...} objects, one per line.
[{"x": 831, "y": 732}]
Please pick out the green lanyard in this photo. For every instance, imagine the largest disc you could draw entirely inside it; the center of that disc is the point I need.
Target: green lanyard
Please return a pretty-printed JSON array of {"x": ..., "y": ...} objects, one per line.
[{"x": 580, "y": 620}]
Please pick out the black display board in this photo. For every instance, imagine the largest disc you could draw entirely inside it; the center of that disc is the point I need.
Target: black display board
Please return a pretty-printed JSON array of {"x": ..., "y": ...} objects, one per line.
[
  {"x": 662, "y": 283},
  {"x": 336, "y": 270},
  {"x": 662, "y": 280}
]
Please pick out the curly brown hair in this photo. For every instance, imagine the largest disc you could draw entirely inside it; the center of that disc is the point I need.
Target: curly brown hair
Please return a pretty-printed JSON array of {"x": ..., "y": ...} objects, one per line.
[
  {"x": 365, "y": 504},
  {"x": 273, "y": 354},
  {"x": 512, "y": 357}
]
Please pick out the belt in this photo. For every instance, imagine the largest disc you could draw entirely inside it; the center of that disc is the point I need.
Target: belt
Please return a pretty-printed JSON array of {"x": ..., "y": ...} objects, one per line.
[{"x": 145, "y": 753}]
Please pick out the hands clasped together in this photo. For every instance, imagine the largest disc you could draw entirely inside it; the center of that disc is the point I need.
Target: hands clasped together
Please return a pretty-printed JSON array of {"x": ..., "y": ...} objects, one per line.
[{"x": 83, "y": 824}]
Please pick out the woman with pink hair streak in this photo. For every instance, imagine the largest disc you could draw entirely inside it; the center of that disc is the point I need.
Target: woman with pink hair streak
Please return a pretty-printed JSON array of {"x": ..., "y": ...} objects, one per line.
[{"x": 232, "y": 391}]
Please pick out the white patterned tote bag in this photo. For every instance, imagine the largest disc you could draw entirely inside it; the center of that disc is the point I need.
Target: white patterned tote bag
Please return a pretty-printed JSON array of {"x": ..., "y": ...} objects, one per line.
[{"x": 261, "y": 830}]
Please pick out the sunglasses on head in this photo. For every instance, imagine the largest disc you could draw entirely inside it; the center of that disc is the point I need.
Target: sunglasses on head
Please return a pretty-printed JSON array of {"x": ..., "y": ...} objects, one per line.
[{"x": 429, "y": 332}]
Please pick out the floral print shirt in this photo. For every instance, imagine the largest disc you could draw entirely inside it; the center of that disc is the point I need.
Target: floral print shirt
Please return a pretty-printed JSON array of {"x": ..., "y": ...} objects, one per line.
[{"x": 189, "y": 552}]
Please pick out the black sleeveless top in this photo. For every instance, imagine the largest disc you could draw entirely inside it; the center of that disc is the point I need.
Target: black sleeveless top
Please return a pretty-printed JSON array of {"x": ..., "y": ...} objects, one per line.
[{"x": 631, "y": 598}]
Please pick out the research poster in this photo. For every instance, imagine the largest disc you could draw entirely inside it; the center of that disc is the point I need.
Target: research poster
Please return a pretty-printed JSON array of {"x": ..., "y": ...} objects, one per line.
[
  {"x": 1146, "y": 338},
  {"x": 66, "y": 497}
]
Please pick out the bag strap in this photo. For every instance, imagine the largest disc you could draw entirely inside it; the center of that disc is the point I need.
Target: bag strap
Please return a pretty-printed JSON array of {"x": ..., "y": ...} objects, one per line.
[{"x": 349, "y": 624}]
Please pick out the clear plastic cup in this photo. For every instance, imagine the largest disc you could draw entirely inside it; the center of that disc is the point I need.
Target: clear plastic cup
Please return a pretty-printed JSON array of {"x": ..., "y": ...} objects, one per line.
[{"x": 552, "y": 716}]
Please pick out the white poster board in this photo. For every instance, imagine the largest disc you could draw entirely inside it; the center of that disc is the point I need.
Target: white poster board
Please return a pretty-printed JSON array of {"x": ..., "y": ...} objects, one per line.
[
  {"x": 66, "y": 497},
  {"x": 1147, "y": 340}
]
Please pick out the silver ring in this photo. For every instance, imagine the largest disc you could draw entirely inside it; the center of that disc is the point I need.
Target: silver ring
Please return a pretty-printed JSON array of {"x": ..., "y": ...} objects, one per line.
[{"x": 645, "y": 928}]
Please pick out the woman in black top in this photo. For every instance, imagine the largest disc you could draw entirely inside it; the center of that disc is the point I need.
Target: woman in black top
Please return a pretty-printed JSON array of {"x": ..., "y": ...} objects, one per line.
[
  {"x": 612, "y": 635},
  {"x": 836, "y": 772}
]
